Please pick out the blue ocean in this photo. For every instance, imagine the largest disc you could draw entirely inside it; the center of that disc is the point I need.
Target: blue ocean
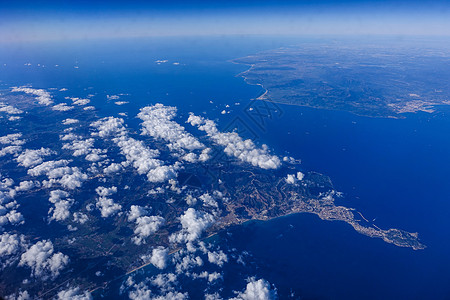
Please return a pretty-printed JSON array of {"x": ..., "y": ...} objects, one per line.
[{"x": 395, "y": 171}]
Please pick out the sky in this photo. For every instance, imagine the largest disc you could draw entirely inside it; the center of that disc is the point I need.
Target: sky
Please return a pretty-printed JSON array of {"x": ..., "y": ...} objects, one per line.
[{"x": 56, "y": 20}]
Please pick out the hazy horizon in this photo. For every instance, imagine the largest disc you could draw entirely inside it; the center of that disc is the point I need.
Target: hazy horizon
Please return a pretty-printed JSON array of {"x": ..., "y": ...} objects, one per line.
[{"x": 52, "y": 20}]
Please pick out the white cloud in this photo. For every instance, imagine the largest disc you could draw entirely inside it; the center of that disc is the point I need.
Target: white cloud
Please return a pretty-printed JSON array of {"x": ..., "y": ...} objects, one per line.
[
  {"x": 25, "y": 186},
  {"x": 80, "y": 217},
  {"x": 135, "y": 212},
  {"x": 188, "y": 262},
  {"x": 30, "y": 158},
  {"x": 112, "y": 97},
  {"x": 172, "y": 296},
  {"x": 10, "y": 110},
  {"x": 244, "y": 150},
  {"x": 105, "y": 192},
  {"x": 70, "y": 121},
  {"x": 158, "y": 123},
  {"x": 12, "y": 150},
  {"x": 68, "y": 177},
  {"x": 74, "y": 294},
  {"x": 208, "y": 200},
  {"x": 47, "y": 166},
  {"x": 43, "y": 261},
  {"x": 159, "y": 257},
  {"x": 43, "y": 96},
  {"x": 217, "y": 257},
  {"x": 12, "y": 139},
  {"x": 112, "y": 168},
  {"x": 14, "y": 144},
  {"x": 62, "y": 204},
  {"x": 141, "y": 157},
  {"x": 140, "y": 292},
  {"x": 193, "y": 224},
  {"x": 107, "y": 207},
  {"x": 79, "y": 101},
  {"x": 62, "y": 107},
  {"x": 10, "y": 244},
  {"x": 256, "y": 290},
  {"x": 146, "y": 226},
  {"x": 121, "y": 102}
]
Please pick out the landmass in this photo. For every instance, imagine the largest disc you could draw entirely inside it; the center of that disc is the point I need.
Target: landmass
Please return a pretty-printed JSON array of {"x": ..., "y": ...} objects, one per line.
[
  {"x": 369, "y": 80},
  {"x": 106, "y": 194}
]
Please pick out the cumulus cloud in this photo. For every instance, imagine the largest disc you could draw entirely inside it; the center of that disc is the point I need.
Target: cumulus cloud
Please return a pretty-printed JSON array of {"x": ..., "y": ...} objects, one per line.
[
  {"x": 12, "y": 150},
  {"x": 62, "y": 107},
  {"x": 43, "y": 96},
  {"x": 294, "y": 178},
  {"x": 107, "y": 207},
  {"x": 74, "y": 294},
  {"x": 59, "y": 172},
  {"x": 79, "y": 101},
  {"x": 256, "y": 290},
  {"x": 158, "y": 123},
  {"x": 13, "y": 144},
  {"x": 10, "y": 244},
  {"x": 62, "y": 204},
  {"x": 10, "y": 110},
  {"x": 12, "y": 139},
  {"x": 81, "y": 146},
  {"x": 105, "y": 192},
  {"x": 43, "y": 260},
  {"x": 208, "y": 200},
  {"x": 142, "y": 158},
  {"x": 27, "y": 185},
  {"x": 70, "y": 121},
  {"x": 146, "y": 226},
  {"x": 193, "y": 223},
  {"x": 135, "y": 212},
  {"x": 31, "y": 158},
  {"x": 217, "y": 257},
  {"x": 80, "y": 217},
  {"x": 244, "y": 150},
  {"x": 112, "y": 168},
  {"x": 159, "y": 257},
  {"x": 47, "y": 166}
]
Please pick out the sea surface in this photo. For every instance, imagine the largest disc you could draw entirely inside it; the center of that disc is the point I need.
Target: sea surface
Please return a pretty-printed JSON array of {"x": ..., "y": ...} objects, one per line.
[{"x": 395, "y": 171}]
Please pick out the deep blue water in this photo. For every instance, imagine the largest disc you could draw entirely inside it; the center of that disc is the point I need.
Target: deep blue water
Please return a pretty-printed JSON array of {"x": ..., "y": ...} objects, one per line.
[{"x": 394, "y": 170}]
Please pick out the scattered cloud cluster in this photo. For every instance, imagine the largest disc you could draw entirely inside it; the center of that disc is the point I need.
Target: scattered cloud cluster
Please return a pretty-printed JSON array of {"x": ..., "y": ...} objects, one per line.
[
  {"x": 9, "y": 109},
  {"x": 74, "y": 293},
  {"x": 62, "y": 204},
  {"x": 141, "y": 157},
  {"x": 62, "y": 107},
  {"x": 58, "y": 172},
  {"x": 106, "y": 205},
  {"x": 30, "y": 158},
  {"x": 10, "y": 245},
  {"x": 82, "y": 147},
  {"x": 158, "y": 258},
  {"x": 193, "y": 223},
  {"x": 43, "y": 97},
  {"x": 8, "y": 206},
  {"x": 158, "y": 123},
  {"x": 244, "y": 150},
  {"x": 13, "y": 144},
  {"x": 294, "y": 178},
  {"x": 79, "y": 101},
  {"x": 70, "y": 121},
  {"x": 43, "y": 260},
  {"x": 257, "y": 290},
  {"x": 145, "y": 225}
]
